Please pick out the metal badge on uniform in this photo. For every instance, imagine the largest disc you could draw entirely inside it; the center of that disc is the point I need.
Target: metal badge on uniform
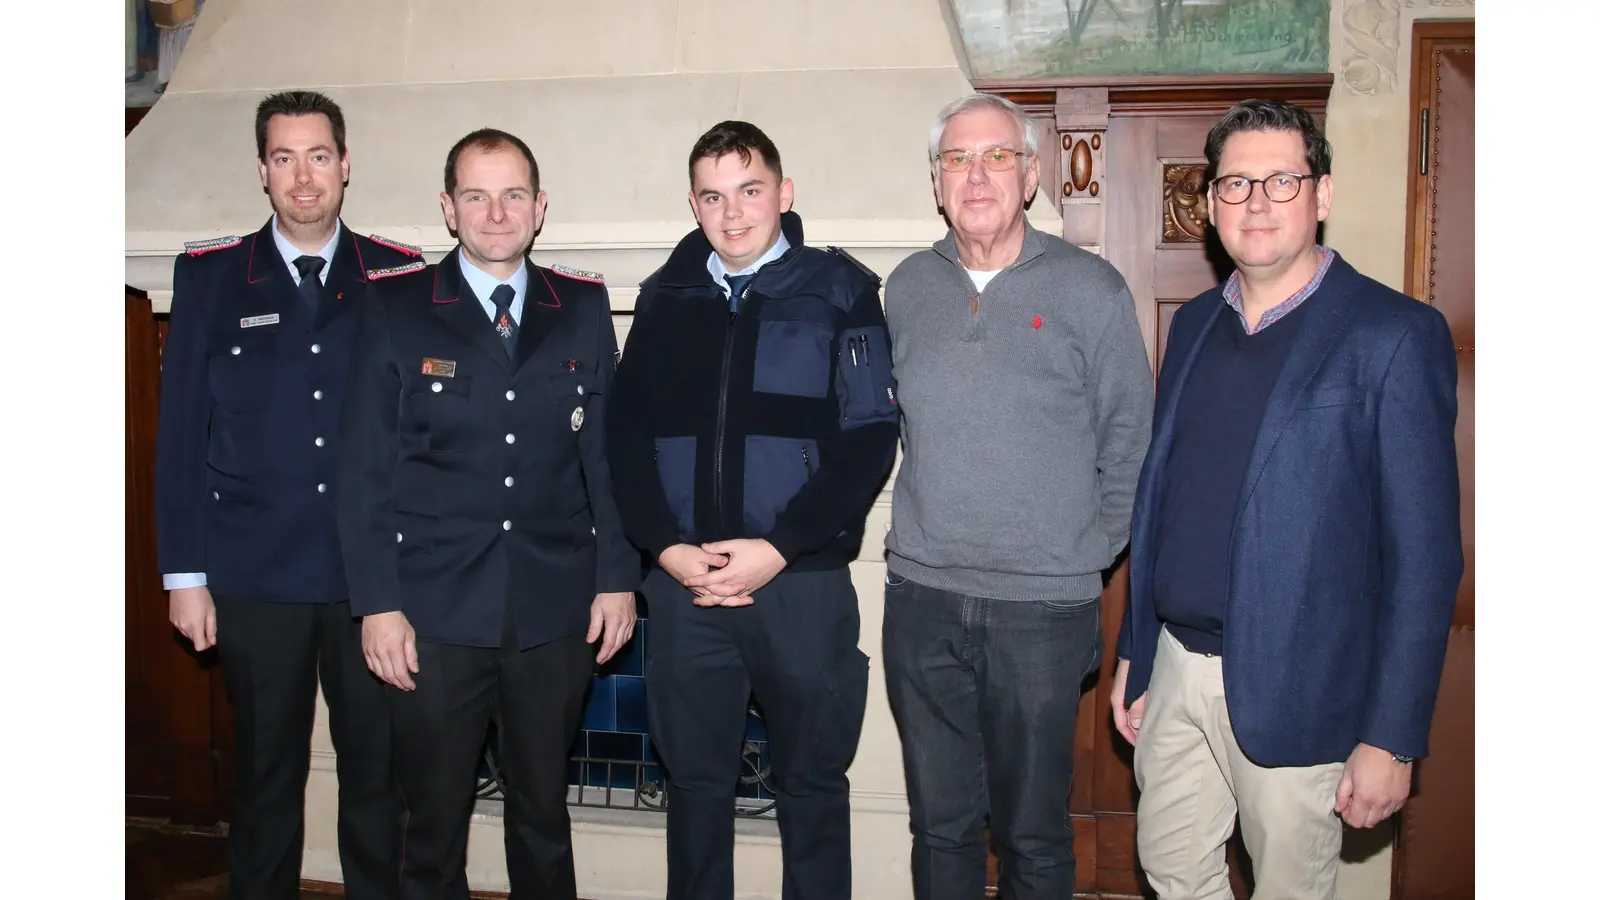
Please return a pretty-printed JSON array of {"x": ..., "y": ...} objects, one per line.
[
  {"x": 444, "y": 368},
  {"x": 253, "y": 321},
  {"x": 577, "y": 418}
]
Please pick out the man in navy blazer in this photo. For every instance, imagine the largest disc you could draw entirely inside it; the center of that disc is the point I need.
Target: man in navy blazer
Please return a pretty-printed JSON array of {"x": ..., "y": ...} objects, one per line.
[{"x": 1296, "y": 544}]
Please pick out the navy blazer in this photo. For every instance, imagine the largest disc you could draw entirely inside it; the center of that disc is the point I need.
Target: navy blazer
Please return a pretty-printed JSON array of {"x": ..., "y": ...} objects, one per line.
[
  {"x": 471, "y": 480},
  {"x": 247, "y": 439},
  {"x": 1346, "y": 551}
]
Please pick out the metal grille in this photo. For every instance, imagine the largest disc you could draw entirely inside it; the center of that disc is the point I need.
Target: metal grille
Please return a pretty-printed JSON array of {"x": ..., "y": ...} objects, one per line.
[{"x": 641, "y": 785}]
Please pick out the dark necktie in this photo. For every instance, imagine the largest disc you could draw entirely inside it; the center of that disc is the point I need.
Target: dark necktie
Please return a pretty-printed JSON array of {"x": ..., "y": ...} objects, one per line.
[
  {"x": 736, "y": 289},
  {"x": 310, "y": 285},
  {"x": 504, "y": 324}
]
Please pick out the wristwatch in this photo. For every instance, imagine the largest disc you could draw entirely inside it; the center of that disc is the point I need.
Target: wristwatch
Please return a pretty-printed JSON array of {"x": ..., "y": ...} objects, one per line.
[{"x": 1402, "y": 760}]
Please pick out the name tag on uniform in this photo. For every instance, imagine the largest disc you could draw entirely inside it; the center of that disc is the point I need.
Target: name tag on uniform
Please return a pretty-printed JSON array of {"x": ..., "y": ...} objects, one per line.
[
  {"x": 444, "y": 368},
  {"x": 253, "y": 321}
]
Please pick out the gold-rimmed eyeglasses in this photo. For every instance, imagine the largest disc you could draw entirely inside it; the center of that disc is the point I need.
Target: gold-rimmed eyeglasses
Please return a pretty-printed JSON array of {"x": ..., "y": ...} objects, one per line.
[
  {"x": 995, "y": 159},
  {"x": 1280, "y": 187}
]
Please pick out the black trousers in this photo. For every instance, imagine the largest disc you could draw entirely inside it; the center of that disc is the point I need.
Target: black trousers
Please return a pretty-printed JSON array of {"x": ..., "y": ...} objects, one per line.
[
  {"x": 272, "y": 655},
  {"x": 536, "y": 698},
  {"x": 795, "y": 649}
]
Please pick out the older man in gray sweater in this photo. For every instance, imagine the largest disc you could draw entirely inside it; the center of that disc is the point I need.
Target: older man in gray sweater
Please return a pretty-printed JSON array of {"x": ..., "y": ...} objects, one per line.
[{"x": 1026, "y": 403}]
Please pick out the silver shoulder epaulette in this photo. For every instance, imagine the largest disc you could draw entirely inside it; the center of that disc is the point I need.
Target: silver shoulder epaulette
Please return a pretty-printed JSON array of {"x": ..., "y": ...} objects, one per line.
[
  {"x": 413, "y": 266},
  {"x": 195, "y": 248},
  {"x": 411, "y": 249},
  {"x": 579, "y": 274}
]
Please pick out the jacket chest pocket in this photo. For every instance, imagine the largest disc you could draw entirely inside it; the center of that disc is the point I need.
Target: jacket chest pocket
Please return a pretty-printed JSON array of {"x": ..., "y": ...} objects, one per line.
[
  {"x": 437, "y": 405},
  {"x": 573, "y": 393},
  {"x": 243, "y": 369},
  {"x": 792, "y": 347}
]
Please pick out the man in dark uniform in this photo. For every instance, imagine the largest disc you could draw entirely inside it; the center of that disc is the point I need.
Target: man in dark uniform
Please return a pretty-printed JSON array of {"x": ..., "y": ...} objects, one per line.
[
  {"x": 251, "y": 390},
  {"x": 484, "y": 548},
  {"x": 752, "y": 423}
]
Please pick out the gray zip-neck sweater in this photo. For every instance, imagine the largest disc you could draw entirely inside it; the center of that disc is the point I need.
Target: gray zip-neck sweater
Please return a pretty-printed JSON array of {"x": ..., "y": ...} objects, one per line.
[{"x": 1025, "y": 423}]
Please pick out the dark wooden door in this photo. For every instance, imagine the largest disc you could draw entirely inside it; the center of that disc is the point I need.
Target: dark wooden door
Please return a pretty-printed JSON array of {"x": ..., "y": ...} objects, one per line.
[
  {"x": 1436, "y": 828},
  {"x": 177, "y": 727}
]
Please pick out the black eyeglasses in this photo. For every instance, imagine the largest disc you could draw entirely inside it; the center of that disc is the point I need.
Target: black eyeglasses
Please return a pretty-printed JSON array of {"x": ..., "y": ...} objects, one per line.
[{"x": 1280, "y": 187}]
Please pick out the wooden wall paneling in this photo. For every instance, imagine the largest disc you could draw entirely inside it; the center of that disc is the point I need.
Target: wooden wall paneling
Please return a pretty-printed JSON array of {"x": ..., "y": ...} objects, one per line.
[
  {"x": 149, "y": 780},
  {"x": 1436, "y": 827},
  {"x": 1081, "y": 116},
  {"x": 170, "y": 746},
  {"x": 1134, "y": 195}
]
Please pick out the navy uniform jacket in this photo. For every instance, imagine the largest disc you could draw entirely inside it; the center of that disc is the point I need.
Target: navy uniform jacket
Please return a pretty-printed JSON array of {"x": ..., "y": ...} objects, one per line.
[
  {"x": 251, "y": 391},
  {"x": 1346, "y": 550},
  {"x": 473, "y": 481}
]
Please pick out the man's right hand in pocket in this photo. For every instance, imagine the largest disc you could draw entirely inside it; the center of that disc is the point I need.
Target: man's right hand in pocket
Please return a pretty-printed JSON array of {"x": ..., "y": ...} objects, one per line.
[{"x": 1128, "y": 718}]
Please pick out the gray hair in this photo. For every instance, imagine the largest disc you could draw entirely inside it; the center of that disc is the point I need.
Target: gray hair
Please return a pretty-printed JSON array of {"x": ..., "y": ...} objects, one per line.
[{"x": 1030, "y": 135}]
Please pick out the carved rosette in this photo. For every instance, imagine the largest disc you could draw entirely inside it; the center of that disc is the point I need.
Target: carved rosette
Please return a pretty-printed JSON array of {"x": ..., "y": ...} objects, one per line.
[
  {"x": 1082, "y": 161},
  {"x": 1183, "y": 207}
]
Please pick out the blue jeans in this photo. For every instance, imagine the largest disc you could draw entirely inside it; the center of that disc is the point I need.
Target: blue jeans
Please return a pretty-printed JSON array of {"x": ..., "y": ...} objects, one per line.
[{"x": 985, "y": 694}]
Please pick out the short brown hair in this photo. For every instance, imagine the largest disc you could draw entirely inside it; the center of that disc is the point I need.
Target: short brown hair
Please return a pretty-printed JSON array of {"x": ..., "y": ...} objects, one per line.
[
  {"x": 297, "y": 103},
  {"x": 485, "y": 140},
  {"x": 1270, "y": 115},
  {"x": 735, "y": 137}
]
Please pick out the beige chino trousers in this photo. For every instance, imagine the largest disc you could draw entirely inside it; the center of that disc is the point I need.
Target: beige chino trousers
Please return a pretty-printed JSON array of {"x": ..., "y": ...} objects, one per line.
[{"x": 1194, "y": 780}]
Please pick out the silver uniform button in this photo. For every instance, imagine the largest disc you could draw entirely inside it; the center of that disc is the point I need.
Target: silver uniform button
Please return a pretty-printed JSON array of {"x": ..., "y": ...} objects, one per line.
[
  {"x": 316, "y": 395},
  {"x": 316, "y": 348},
  {"x": 510, "y": 481},
  {"x": 322, "y": 489},
  {"x": 320, "y": 442},
  {"x": 398, "y": 537},
  {"x": 216, "y": 496},
  {"x": 437, "y": 387},
  {"x": 511, "y": 439},
  {"x": 506, "y": 525},
  {"x": 511, "y": 395},
  {"x": 234, "y": 351},
  {"x": 580, "y": 390}
]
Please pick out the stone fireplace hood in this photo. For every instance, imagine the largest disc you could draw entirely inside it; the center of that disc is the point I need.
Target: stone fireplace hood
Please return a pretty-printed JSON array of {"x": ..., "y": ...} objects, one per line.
[{"x": 609, "y": 94}]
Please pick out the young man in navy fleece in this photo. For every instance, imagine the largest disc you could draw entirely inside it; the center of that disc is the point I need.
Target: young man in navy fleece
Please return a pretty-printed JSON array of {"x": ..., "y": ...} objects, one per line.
[{"x": 752, "y": 422}]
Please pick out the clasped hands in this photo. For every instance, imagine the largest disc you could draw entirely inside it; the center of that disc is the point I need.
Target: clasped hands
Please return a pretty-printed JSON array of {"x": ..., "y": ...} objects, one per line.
[{"x": 723, "y": 573}]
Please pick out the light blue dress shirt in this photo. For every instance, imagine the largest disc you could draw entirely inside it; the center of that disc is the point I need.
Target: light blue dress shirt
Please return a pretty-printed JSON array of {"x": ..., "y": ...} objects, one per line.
[
  {"x": 720, "y": 273},
  {"x": 290, "y": 253},
  {"x": 483, "y": 284}
]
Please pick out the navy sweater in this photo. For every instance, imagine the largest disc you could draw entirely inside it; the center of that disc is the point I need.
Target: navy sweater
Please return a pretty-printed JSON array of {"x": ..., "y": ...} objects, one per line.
[
  {"x": 1213, "y": 433},
  {"x": 778, "y": 422}
]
